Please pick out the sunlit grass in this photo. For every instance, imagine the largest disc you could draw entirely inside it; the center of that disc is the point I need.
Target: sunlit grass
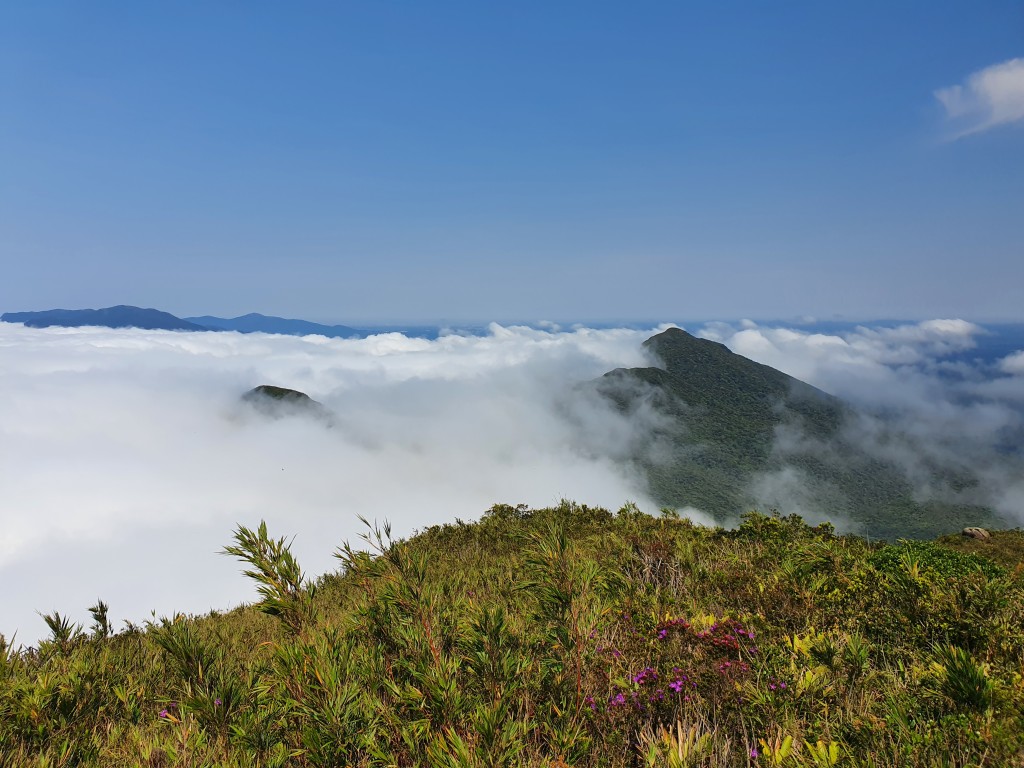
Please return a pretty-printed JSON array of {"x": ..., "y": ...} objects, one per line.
[{"x": 563, "y": 636}]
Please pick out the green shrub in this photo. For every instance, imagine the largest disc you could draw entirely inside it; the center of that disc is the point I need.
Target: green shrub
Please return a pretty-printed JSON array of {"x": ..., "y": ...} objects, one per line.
[{"x": 550, "y": 637}]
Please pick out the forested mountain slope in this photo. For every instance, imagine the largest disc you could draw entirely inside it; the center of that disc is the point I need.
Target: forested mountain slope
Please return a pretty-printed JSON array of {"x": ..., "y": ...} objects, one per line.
[{"x": 736, "y": 434}]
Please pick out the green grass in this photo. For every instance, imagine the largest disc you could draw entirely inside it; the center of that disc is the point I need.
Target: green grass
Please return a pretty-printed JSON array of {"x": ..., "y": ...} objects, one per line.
[
  {"x": 554, "y": 637},
  {"x": 1004, "y": 547}
]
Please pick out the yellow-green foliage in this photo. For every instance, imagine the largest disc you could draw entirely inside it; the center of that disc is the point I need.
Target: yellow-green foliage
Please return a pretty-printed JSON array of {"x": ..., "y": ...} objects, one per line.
[{"x": 554, "y": 637}]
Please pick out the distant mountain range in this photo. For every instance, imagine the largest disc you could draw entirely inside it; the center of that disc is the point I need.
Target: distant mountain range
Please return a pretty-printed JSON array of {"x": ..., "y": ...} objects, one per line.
[
  {"x": 256, "y": 323},
  {"x": 733, "y": 435},
  {"x": 121, "y": 316},
  {"x": 124, "y": 316}
]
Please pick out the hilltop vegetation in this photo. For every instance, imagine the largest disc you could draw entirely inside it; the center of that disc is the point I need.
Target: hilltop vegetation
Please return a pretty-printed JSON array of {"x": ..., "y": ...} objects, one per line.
[{"x": 555, "y": 637}]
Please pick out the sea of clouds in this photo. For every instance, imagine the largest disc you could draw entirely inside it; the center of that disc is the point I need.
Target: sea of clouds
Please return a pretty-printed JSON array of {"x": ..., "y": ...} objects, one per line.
[{"x": 127, "y": 459}]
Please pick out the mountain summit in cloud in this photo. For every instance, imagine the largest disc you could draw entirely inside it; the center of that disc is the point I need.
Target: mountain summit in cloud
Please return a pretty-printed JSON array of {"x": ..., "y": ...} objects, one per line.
[
  {"x": 732, "y": 434},
  {"x": 281, "y": 402}
]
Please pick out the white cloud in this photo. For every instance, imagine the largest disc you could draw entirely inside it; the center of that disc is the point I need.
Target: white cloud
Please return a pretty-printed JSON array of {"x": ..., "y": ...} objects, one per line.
[
  {"x": 1013, "y": 364},
  {"x": 126, "y": 460},
  {"x": 990, "y": 97},
  {"x": 868, "y": 365}
]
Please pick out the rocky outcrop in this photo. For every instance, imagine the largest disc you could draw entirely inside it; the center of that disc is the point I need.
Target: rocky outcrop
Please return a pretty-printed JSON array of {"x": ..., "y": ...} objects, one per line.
[{"x": 976, "y": 533}]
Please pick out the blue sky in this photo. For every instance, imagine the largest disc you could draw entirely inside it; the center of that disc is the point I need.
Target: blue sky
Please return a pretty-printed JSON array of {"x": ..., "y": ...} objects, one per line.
[{"x": 517, "y": 161}]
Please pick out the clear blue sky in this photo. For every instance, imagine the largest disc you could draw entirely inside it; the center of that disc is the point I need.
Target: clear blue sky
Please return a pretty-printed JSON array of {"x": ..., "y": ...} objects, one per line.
[{"x": 521, "y": 160}]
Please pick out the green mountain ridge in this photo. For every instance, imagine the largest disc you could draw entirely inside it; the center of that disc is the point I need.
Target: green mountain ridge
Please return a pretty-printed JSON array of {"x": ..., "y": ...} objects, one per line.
[{"x": 734, "y": 434}]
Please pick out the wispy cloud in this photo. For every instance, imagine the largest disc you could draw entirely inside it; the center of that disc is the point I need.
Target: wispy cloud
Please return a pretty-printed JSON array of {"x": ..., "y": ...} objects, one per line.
[{"x": 990, "y": 97}]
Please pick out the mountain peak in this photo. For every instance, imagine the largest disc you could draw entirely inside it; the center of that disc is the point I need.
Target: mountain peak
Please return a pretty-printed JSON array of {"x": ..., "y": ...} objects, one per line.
[
  {"x": 705, "y": 370},
  {"x": 676, "y": 347},
  {"x": 278, "y": 402},
  {"x": 734, "y": 433},
  {"x": 119, "y": 316}
]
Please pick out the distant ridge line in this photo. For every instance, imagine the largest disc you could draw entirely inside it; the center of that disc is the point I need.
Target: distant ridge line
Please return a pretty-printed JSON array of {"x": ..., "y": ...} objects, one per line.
[{"x": 127, "y": 316}]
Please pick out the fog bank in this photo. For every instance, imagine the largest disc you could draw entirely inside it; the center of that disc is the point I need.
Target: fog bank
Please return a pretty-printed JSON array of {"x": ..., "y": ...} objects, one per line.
[{"x": 126, "y": 460}]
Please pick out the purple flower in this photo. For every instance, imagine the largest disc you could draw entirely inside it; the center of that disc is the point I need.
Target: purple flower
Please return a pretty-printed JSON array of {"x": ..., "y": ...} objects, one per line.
[
  {"x": 164, "y": 714},
  {"x": 645, "y": 675},
  {"x": 754, "y": 753},
  {"x": 217, "y": 702},
  {"x": 676, "y": 685}
]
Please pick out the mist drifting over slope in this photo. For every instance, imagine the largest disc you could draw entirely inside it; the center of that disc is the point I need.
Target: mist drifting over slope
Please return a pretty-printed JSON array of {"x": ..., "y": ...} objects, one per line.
[
  {"x": 126, "y": 458},
  {"x": 926, "y": 402}
]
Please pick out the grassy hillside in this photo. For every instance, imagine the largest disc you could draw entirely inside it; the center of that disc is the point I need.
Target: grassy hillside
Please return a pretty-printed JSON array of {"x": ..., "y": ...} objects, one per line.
[
  {"x": 723, "y": 415},
  {"x": 555, "y": 637}
]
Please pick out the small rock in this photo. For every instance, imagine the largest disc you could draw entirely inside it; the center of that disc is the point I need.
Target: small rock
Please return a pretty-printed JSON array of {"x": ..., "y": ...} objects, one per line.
[{"x": 976, "y": 533}]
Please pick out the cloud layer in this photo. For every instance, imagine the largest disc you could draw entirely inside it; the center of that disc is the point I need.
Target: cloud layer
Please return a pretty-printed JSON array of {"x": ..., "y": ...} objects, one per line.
[
  {"x": 990, "y": 97},
  {"x": 126, "y": 459}
]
